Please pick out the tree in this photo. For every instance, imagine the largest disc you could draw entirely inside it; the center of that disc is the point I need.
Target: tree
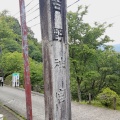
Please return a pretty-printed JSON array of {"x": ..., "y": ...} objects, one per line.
[
  {"x": 84, "y": 42},
  {"x": 35, "y": 50},
  {"x": 11, "y": 52},
  {"x": 36, "y": 75},
  {"x": 106, "y": 97},
  {"x": 107, "y": 66},
  {"x": 13, "y": 62}
]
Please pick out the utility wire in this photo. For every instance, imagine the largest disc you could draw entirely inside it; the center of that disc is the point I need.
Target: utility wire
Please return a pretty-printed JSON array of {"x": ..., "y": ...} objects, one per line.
[
  {"x": 33, "y": 18},
  {"x": 35, "y": 25},
  {"x": 33, "y": 11},
  {"x": 39, "y": 15},
  {"x": 32, "y": 8},
  {"x": 91, "y": 22},
  {"x": 73, "y": 3},
  {"x": 29, "y": 3},
  {"x": 38, "y": 4},
  {"x": 25, "y": 6},
  {"x": 38, "y": 8},
  {"x": 16, "y": 13},
  {"x": 29, "y": 11}
]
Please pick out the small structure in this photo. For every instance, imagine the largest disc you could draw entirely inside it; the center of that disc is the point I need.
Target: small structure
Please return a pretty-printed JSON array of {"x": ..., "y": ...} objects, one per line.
[{"x": 15, "y": 80}]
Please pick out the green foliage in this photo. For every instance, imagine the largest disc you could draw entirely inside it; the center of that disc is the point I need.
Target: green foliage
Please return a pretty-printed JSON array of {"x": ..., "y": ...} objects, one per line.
[
  {"x": 12, "y": 62},
  {"x": 36, "y": 55},
  {"x": 36, "y": 75},
  {"x": 97, "y": 103},
  {"x": 4, "y": 118},
  {"x": 106, "y": 97},
  {"x": 8, "y": 80},
  {"x": 73, "y": 87},
  {"x": 11, "y": 56},
  {"x": 91, "y": 67},
  {"x": 35, "y": 50},
  {"x": 10, "y": 45}
]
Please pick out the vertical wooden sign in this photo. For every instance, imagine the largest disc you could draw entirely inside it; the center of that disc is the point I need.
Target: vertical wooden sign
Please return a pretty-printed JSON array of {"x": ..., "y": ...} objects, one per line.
[{"x": 55, "y": 58}]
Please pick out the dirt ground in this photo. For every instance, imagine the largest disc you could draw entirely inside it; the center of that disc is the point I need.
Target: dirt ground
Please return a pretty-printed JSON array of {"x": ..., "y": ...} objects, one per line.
[{"x": 8, "y": 115}]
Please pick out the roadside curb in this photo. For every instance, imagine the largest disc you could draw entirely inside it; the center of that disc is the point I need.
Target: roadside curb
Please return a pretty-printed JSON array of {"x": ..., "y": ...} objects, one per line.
[
  {"x": 33, "y": 92},
  {"x": 36, "y": 93},
  {"x": 12, "y": 112}
]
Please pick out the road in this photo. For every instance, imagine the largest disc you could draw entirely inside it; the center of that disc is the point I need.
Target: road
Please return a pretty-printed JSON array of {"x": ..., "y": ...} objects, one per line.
[{"x": 15, "y": 99}]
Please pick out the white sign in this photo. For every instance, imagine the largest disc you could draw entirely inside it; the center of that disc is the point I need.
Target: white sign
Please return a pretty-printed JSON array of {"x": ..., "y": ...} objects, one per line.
[{"x": 15, "y": 80}]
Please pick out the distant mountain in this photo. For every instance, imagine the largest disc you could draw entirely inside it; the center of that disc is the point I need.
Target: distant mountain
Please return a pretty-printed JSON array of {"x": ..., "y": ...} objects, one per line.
[{"x": 117, "y": 47}]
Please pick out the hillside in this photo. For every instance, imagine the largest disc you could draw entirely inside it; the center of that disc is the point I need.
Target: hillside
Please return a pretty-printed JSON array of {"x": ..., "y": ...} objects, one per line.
[
  {"x": 11, "y": 52},
  {"x": 117, "y": 47}
]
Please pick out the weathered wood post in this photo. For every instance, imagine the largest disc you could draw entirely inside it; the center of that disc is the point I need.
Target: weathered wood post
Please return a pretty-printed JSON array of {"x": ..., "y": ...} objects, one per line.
[{"x": 55, "y": 58}]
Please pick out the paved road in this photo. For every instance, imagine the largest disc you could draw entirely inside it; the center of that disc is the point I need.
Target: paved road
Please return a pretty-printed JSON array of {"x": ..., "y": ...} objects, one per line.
[
  {"x": 8, "y": 114},
  {"x": 15, "y": 99}
]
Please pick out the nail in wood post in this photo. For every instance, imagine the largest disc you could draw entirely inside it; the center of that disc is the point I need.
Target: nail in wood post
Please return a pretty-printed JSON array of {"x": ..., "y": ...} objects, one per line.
[
  {"x": 55, "y": 58},
  {"x": 26, "y": 61}
]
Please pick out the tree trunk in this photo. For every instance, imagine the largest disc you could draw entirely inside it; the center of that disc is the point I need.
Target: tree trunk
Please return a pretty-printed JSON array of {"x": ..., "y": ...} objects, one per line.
[{"x": 79, "y": 92}]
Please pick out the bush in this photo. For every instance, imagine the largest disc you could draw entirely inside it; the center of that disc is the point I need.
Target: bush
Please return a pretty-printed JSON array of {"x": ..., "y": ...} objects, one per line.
[
  {"x": 8, "y": 80},
  {"x": 107, "y": 96}
]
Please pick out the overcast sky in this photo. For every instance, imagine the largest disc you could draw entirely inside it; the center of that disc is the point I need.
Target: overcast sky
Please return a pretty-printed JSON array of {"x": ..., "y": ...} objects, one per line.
[{"x": 99, "y": 11}]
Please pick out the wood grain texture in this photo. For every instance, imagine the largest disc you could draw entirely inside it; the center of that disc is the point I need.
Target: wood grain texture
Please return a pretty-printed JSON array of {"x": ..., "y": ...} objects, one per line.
[{"x": 55, "y": 58}]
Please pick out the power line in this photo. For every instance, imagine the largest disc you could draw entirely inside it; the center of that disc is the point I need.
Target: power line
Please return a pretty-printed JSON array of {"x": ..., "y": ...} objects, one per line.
[
  {"x": 16, "y": 13},
  {"x": 35, "y": 25},
  {"x": 33, "y": 11},
  {"x": 38, "y": 8},
  {"x": 38, "y": 15},
  {"x": 25, "y": 6},
  {"x": 38, "y": 4},
  {"x": 29, "y": 3},
  {"x": 28, "y": 11},
  {"x": 32, "y": 8},
  {"x": 33, "y": 18},
  {"x": 73, "y": 3}
]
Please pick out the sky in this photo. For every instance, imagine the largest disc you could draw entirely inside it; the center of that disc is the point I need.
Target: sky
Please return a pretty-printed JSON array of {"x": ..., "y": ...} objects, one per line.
[{"x": 98, "y": 11}]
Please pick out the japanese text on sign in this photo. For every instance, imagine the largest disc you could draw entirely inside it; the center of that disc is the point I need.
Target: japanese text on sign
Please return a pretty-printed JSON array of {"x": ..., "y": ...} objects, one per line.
[
  {"x": 57, "y": 34},
  {"x": 57, "y": 4}
]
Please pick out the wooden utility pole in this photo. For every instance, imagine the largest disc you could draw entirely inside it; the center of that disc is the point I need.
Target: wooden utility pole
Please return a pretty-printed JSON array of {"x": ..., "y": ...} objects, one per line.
[
  {"x": 55, "y": 59},
  {"x": 26, "y": 61}
]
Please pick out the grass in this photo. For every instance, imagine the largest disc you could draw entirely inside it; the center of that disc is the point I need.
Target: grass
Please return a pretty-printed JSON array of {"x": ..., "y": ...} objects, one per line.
[
  {"x": 98, "y": 104},
  {"x": 93, "y": 102},
  {"x": 4, "y": 118},
  {"x": 118, "y": 108},
  {"x": 12, "y": 112},
  {"x": 15, "y": 113}
]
